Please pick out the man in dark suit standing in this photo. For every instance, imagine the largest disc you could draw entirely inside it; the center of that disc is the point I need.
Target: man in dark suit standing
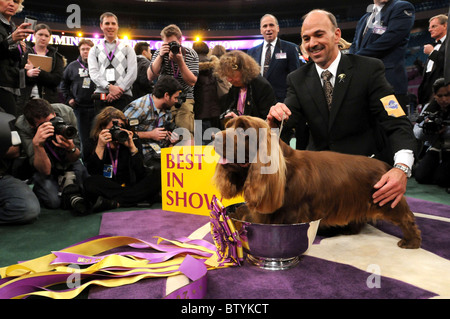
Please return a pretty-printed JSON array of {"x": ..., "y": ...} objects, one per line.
[
  {"x": 434, "y": 67},
  {"x": 447, "y": 57},
  {"x": 277, "y": 61},
  {"x": 383, "y": 33},
  {"x": 354, "y": 111}
]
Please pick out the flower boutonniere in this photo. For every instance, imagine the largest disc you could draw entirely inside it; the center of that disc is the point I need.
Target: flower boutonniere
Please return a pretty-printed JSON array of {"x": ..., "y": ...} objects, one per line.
[{"x": 341, "y": 77}]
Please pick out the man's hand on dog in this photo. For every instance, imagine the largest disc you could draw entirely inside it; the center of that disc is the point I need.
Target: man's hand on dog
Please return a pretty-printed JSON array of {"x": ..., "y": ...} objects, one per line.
[{"x": 391, "y": 187}]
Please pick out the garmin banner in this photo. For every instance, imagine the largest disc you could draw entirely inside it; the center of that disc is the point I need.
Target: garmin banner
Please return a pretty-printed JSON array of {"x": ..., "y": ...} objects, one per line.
[{"x": 156, "y": 44}]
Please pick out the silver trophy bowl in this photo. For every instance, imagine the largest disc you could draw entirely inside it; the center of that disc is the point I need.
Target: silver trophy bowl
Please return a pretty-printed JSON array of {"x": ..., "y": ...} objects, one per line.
[{"x": 274, "y": 246}]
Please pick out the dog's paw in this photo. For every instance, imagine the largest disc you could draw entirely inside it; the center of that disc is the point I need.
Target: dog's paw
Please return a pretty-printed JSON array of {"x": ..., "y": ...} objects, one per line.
[{"x": 409, "y": 244}]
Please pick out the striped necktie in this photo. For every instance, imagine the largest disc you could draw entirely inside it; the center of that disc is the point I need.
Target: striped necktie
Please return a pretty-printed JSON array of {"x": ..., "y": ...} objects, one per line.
[{"x": 267, "y": 59}]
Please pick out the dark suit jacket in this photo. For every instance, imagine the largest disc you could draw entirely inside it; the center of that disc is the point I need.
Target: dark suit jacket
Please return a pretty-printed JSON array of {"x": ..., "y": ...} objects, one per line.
[
  {"x": 357, "y": 122},
  {"x": 279, "y": 68},
  {"x": 426, "y": 87},
  {"x": 398, "y": 18},
  {"x": 447, "y": 57}
]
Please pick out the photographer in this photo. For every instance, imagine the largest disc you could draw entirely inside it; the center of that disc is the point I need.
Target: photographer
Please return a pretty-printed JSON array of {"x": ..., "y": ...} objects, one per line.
[
  {"x": 51, "y": 142},
  {"x": 433, "y": 127},
  {"x": 12, "y": 74},
  {"x": 153, "y": 113},
  {"x": 18, "y": 204},
  {"x": 181, "y": 63},
  {"x": 115, "y": 163}
]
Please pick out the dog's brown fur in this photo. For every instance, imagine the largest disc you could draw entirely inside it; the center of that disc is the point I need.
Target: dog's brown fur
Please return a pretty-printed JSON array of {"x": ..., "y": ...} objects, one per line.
[{"x": 307, "y": 186}]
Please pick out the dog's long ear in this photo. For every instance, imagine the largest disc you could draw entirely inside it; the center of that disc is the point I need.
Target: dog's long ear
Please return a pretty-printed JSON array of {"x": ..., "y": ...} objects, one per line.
[
  {"x": 222, "y": 179},
  {"x": 265, "y": 185}
]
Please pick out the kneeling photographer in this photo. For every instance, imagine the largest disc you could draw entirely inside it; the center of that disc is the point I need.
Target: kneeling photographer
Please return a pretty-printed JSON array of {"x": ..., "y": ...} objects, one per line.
[
  {"x": 118, "y": 177},
  {"x": 51, "y": 142},
  {"x": 156, "y": 125},
  {"x": 433, "y": 128},
  {"x": 18, "y": 204}
]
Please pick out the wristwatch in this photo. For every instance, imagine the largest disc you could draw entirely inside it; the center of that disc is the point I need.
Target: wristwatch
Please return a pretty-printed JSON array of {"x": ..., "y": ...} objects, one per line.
[
  {"x": 107, "y": 87},
  {"x": 404, "y": 168}
]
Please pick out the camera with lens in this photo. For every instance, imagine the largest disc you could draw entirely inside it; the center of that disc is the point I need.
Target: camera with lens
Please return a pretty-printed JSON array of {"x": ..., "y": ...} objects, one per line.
[
  {"x": 433, "y": 122},
  {"x": 61, "y": 128},
  {"x": 181, "y": 99},
  {"x": 229, "y": 110},
  {"x": 174, "y": 47},
  {"x": 170, "y": 127},
  {"x": 117, "y": 134}
]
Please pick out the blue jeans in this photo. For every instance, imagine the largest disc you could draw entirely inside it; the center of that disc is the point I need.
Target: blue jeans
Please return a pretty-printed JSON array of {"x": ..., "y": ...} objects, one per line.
[
  {"x": 18, "y": 204},
  {"x": 47, "y": 189}
]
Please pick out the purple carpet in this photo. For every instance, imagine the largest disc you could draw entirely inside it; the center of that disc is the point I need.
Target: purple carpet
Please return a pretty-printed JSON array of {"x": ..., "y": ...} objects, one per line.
[
  {"x": 313, "y": 278},
  {"x": 435, "y": 234}
]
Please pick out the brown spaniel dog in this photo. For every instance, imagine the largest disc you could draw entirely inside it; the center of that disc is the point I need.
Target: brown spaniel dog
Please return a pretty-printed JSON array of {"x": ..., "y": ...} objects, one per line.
[{"x": 281, "y": 185}]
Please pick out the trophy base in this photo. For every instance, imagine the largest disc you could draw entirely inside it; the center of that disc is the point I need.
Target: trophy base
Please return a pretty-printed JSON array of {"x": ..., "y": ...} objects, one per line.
[{"x": 273, "y": 263}]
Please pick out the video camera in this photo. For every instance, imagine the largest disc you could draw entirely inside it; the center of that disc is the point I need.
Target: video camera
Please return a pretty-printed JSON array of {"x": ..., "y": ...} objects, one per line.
[
  {"x": 433, "y": 122},
  {"x": 61, "y": 128}
]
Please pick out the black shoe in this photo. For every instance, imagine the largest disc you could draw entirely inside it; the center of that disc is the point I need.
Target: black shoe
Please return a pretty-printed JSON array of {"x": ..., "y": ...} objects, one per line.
[
  {"x": 78, "y": 204},
  {"x": 103, "y": 204}
]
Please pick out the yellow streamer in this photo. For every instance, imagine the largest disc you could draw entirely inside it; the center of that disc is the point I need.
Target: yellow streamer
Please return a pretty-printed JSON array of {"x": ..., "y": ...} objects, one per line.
[{"x": 134, "y": 269}]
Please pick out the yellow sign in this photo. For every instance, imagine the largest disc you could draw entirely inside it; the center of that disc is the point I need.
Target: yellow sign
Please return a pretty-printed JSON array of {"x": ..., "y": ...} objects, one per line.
[
  {"x": 392, "y": 106},
  {"x": 186, "y": 179}
]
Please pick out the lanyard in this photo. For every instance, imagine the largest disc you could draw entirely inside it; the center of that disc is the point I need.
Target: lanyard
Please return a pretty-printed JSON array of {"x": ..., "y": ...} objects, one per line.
[
  {"x": 111, "y": 54},
  {"x": 175, "y": 75},
  {"x": 114, "y": 161},
  {"x": 50, "y": 148},
  {"x": 34, "y": 49},
  {"x": 81, "y": 64},
  {"x": 161, "y": 115}
]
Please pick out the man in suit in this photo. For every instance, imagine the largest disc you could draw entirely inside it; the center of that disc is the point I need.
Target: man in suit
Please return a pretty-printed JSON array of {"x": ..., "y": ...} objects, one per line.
[
  {"x": 447, "y": 57},
  {"x": 356, "y": 113},
  {"x": 283, "y": 57},
  {"x": 383, "y": 33},
  {"x": 434, "y": 67}
]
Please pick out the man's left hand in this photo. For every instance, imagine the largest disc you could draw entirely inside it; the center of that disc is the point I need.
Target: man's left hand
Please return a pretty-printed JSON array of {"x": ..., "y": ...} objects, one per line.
[
  {"x": 62, "y": 142},
  {"x": 391, "y": 187}
]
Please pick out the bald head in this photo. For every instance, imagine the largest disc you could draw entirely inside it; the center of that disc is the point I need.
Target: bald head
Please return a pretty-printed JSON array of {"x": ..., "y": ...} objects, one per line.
[{"x": 320, "y": 36}]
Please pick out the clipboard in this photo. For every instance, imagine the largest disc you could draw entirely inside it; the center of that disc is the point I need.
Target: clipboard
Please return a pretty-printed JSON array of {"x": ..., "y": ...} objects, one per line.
[{"x": 42, "y": 61}]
